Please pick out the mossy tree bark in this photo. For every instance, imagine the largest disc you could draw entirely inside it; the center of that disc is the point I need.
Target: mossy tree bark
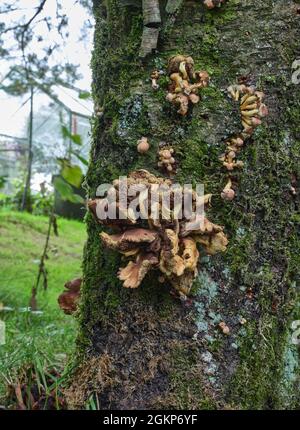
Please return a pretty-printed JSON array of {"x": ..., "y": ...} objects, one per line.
[{"x": 144, "y": 348}]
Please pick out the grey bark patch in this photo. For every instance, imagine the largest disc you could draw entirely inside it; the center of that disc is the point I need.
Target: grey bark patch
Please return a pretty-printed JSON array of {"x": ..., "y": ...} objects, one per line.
[
  {"x": 151, "y": 13},
  {"x": 149, "y": 41}
]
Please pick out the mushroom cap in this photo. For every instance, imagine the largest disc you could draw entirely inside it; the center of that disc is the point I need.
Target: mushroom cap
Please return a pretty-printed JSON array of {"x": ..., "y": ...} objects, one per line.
[
  {"x": 165, "y": 153},
  {"x": 239, "y": 141},
  {"x": 133, "y": 274},
  {"x": 256, "y": 121},
  {"x": 174, "y": 63},
  {"x": 143, "y": 145},
  {"x": 203, "y": 77},
  {"x": 194, "y": 98},
  {"x": 228, "y": 194},
  {"x": 74, "y": 285},
  {"x": 213, "y": 244},
  {"x": 199, "y": 225},
  {"x": 129, "y": 239},
  {"x": 68, "y": 300},
  {"x": 263, "y": 110},
  {"x": 209, "y": 4},
  {"x": 170, "y": 97},
  {"x": 155, "y": 74}
]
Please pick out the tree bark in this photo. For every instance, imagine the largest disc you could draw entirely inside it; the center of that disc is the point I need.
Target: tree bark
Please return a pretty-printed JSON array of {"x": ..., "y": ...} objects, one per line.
[{"x": 144, "y": 348}]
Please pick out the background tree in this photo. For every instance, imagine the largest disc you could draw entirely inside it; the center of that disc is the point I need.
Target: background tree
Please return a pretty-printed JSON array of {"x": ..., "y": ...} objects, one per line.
[
  {"x": 143, "y": 348},
  {"x": 32, "y": 43}
]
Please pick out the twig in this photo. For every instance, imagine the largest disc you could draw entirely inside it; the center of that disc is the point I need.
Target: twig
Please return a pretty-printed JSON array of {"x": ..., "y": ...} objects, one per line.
[{"x": 42, "y": 269}]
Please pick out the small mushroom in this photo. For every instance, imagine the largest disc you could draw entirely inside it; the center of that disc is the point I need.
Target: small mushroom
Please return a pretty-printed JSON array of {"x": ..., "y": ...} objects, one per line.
[
  {"x": 211, "y": 4},
  {"x": 235, "y": 144},
  {"x": 175, "y": 63},
  {"x": 179, "y": 99},
  {"x": 182, "y": 69},
  {"x": 224, "y": 328},
  {"x": 194, "y": 98},
  {"x": 166, "y": 159},
  {"x": 203, "y": 79},
  {"x": 154, "y": 78},
  {"x": 228, "y": 193},
  {"x": 143, "y": 145},
  {"x": 99, "y": 111},
  {"x": 229, "y": 161}
]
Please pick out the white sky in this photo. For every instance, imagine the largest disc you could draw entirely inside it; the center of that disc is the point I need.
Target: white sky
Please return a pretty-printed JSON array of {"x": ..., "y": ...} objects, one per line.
[{"x": 12, "y": 117}]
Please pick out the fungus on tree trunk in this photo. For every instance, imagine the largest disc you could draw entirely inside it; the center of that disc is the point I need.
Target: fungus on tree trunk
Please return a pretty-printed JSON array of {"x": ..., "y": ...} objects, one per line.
[
  {"x": 165, "y": 241},
  {"x": 68, "y": 300},
  {"x": 185, "y": 82}
]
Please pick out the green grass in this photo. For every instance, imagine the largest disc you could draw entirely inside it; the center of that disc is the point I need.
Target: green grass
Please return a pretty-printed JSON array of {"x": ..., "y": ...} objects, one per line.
[{"x": 48, "y": 338}]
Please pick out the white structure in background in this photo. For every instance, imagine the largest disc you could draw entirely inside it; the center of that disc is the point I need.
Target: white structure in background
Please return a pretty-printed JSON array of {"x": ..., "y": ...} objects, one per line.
[{"x": 63, "y": 106}]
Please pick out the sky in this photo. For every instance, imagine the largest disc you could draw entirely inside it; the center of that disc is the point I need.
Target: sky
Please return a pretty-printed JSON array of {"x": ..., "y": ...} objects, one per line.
[{"x": 13, "y": 117}]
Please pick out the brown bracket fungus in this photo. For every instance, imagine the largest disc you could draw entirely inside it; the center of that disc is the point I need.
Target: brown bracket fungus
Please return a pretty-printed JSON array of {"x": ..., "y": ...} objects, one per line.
[
  {"x": 185, "y": 83},
  {"x": 68, "y": 300},
  {"x": 165, "y": 242}
]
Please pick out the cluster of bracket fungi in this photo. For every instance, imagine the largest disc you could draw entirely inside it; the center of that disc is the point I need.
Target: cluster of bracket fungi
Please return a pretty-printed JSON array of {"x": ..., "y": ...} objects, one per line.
[
  {"x": 165, "y": 242},
  {"x": 252, "y": 110},
  {"x": 185, "y": 83},
  {"x": 169, "y": 243}
]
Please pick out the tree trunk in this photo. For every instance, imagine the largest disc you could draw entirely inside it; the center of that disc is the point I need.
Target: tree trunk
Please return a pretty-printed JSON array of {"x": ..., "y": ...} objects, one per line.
[{"x": 144, "y": 348}]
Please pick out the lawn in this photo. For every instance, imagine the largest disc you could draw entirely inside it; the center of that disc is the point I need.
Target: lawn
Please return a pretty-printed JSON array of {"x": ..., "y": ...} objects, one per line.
[{"x": 45, "y": 338}]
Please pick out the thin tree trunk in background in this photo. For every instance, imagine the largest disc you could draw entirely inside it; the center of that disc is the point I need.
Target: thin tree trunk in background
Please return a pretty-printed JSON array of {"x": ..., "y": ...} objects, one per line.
[
  {"x": 144, "y": 348},
  {"x": 26, "y": 204}
]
